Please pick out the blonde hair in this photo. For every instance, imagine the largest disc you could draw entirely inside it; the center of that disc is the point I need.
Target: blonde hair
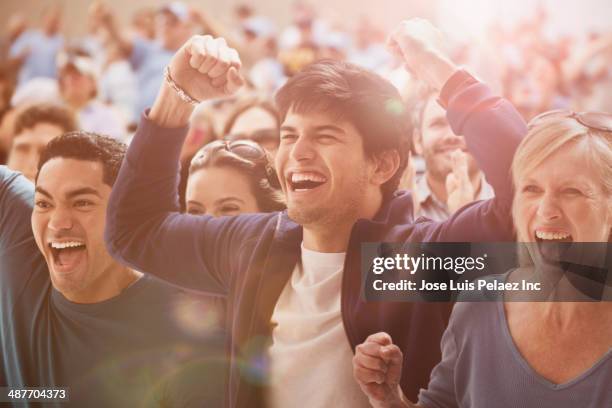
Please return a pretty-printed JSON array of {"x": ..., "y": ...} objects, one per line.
[{"x": 547, "y": 137}]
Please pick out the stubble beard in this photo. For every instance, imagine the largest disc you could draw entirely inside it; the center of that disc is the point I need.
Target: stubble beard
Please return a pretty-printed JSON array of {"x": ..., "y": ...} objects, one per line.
[
  {"x": 329, "y": 214},
  {"x": 437, "y": 169}
]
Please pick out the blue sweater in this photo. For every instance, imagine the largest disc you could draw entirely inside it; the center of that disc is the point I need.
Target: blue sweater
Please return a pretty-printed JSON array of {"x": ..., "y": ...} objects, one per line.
[
  {"x": 126, "y": 351},
  {"x": 249, "y": 258}
]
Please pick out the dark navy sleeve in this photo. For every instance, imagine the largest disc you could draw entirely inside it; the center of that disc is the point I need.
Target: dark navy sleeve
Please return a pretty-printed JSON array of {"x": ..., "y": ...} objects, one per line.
[
  {"x": 145, "y": 230},
  {"x": 16, "y": 200},
  {"x": 17, "y": 245},
  {"x": 20, "y": 260},
  {"x": 493, "y": 129}
]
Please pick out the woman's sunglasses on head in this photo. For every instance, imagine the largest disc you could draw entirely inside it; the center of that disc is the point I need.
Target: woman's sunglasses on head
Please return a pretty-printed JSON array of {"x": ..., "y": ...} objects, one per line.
[{"x": 593, "y": 120}]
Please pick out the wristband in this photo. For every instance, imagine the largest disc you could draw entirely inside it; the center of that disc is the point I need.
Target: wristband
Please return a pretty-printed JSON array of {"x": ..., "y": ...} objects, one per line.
[{"x": 185, "y": 97}]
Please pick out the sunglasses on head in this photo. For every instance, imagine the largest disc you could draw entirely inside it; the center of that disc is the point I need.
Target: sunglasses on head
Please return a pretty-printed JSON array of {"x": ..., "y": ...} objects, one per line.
[
  {"x": 593, "y": 120},
  {"x": 248, "y": 150}
]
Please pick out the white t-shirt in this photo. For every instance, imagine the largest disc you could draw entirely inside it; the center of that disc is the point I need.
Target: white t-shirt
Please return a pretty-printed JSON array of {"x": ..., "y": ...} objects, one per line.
[{"x": 310, "y": 356}]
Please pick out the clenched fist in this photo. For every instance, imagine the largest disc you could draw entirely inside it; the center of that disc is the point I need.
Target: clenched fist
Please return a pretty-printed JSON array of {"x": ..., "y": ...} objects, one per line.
[
  {"x": 422, "y": 47},
  {"x": 377, "y": 368},
  {"x": 206, "y": 67}
]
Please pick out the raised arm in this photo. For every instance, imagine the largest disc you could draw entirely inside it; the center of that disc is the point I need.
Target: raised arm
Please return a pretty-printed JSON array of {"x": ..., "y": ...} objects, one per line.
[
  {"x": 144, "y": 227},
  {"x": 103, "y": 18},
  {"x": 16, "y": 199},
  {"x": 491, "y": 126},
  {"x": 17, "y": 245}
]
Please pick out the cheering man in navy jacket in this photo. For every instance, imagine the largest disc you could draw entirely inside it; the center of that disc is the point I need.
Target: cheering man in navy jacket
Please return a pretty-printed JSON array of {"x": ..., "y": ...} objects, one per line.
[{"x": 292, "y": 279}]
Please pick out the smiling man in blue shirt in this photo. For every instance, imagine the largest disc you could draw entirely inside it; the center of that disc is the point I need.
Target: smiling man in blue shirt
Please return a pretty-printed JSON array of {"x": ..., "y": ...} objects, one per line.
[{"x": 73, "y": 317}]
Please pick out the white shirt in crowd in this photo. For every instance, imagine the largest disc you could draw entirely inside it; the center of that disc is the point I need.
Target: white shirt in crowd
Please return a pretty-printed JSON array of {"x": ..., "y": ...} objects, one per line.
[
  {"x": 118, "y": 88},
  {"x": 100, "y": 118},
  {"x": 310, "y": 356}
]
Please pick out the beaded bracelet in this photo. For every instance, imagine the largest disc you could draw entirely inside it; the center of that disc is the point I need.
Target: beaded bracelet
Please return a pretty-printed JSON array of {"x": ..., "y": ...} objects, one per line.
[{"x": 179, "y": 91}]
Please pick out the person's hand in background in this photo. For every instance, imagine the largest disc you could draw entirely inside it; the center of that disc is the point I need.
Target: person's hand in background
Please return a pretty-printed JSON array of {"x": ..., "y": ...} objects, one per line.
[
  {"x": 458, "y": 185},
  {"x": 408, "y": 182}
]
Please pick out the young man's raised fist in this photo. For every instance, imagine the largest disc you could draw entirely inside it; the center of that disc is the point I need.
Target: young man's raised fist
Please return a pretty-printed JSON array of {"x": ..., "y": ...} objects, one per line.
[{"x": 206, "y": 67}]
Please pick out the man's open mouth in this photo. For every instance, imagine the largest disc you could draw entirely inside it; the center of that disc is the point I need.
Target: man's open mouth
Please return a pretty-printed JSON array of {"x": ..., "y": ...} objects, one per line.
[
  {"x": 68, "y": 254},
  {"x": 305, "y": 181}
]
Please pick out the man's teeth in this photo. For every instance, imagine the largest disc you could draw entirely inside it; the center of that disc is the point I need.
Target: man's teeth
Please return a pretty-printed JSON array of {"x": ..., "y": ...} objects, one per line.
[
  {"x": 307, "y": 176},
  {"x": 551, "y": 235},
  {"x": 69, "y": 244}
]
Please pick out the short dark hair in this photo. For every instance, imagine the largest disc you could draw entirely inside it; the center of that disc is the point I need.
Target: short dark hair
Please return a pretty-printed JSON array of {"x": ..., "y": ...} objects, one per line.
[
  {"x": 87, "y": 146},
  {"x": 367, "y": 100},
  {"x": 45, "y": 113}
]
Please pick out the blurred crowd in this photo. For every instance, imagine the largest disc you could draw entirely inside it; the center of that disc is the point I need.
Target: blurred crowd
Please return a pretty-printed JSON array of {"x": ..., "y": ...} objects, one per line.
[
  {"x": 278, "y": 295},
  {"x": 102, "y": 80}
]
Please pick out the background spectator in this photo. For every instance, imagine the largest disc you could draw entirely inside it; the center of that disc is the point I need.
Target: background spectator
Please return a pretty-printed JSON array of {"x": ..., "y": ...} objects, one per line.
[
  {"x": 36, "y": 49},
  {"x": 78, "y": 84},
  {"x": 254, "y": 119},
  {"x": 34, "y": 128}
]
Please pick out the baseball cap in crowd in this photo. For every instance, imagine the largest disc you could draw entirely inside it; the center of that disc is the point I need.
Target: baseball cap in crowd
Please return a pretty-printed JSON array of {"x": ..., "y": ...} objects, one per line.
[
  {"x": 259, "y": 26},
  {"x": 178, "y": 9},
  {"x": 334, "y": 39},
  {"x": 81, "y": 61}
]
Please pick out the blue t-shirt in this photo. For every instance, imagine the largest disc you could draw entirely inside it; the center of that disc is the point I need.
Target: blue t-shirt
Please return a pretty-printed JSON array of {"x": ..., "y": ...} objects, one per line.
[
  {"x": 148, "y": 60},
  {"x": 148, "y": 346},
  {"x": 481, "y": 367},
  {"x": 41, "y": 51}
]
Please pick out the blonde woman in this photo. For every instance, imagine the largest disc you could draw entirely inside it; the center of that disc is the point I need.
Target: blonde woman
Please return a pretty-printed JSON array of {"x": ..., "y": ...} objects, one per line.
[{"x": 528, "y": 354}]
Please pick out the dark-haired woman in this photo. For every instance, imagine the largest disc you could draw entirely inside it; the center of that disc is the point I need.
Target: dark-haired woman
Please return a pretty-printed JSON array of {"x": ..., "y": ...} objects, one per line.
[{"x": 230, "y": 178}]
